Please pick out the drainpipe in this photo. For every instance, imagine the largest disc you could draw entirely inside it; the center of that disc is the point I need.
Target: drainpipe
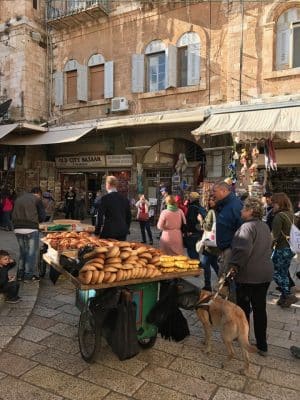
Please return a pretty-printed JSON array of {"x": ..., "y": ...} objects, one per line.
[{"x": 242, "y": 10}]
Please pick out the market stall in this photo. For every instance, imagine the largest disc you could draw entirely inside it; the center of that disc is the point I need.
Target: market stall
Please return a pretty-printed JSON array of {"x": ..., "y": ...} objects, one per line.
[{"x": 102, "y": 265}]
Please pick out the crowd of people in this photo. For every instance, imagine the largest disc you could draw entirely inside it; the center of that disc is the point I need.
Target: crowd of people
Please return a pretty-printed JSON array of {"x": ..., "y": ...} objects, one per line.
[{"x": 248, "y": 236}]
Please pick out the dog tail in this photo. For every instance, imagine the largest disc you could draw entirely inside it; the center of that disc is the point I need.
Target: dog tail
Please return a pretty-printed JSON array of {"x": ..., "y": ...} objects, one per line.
[{"x": 244, "y": 343}]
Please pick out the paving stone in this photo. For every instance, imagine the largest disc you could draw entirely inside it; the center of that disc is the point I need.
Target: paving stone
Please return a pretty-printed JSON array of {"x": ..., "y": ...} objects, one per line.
[
  {"x": 62, "y": 343},
  {"x": 178, "y": 381},
  {"x": 54, "y": 358},
  {"x": 280, "y": 333},
  {"x": 270, "y": 392},
  {"x": 275, "y": 324},
  {"x": 20, "y": 312},
  {"x": 155, "y": 357},
  {"x": 14, "y": 365},
  {"x": 49, "y": 303},
  {"x": 64, "y": 330},
  {"x": 33, "y": 334},
  {"x": 16, "y": 389},
  {"x": 65, "y": 298},
  {"x": 280, "y": 352},
  {"x": 24, "y": 348},
  {"x": 7, "y": 320},
  {"x": 227, "y": 394},
  {"x": 115, "y": 380},
  {"x": 9, "y": 330},
  {"x": 277, "y": 363},
  {"x": 168, "y": 346},
  {"x": 116, "y": 396},
  {"x": 67, "y": 318},
  {"x": 276, "y": 341},
  {"x": 65, "y": 385},
  {"x": 209, "y": 374},
  {"x": 70, "y": 309},
  {"x": 4, "y": 340},
  {"x": 40, "y": 322},
  {"x": 286, "y": 379},
  {"x": 2, "y": 375},
  {"x": 296, "y": 337},
  {"x": 151, "y": 391},
  {"x": 44, "y": 312},
  {"x": 292, "y": 328},
  {"x": 132, "y": 366}
]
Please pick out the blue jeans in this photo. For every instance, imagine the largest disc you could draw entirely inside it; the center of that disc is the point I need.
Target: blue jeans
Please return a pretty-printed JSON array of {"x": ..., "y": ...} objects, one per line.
[
  {"x": 209, "y": 260},
  {"x": 29, "y": 254}
]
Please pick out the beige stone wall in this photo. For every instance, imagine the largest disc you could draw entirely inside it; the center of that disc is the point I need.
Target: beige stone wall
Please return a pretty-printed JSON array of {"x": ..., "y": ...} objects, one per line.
[
  {"x": 23, "y": 60},
  {"x": 128, "y": 30}
]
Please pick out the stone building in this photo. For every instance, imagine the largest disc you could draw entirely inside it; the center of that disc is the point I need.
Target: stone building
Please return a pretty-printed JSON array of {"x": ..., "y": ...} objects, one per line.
[{"x": 123, "y": 83}]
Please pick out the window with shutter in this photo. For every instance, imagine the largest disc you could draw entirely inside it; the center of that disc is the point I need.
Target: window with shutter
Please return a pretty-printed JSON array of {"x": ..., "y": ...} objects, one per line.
[
  {"x": 71, "y": 77},
  {"x": 96, "y": 81},
  {"x": 171, "y": 66},
  {"x": 287, "y": 39},
  {"x": 182, "y": 66},
  {"x": 188, "y": 59},
  {"x": 137, "y": 73},
  {"x": 109, "y": 79},
  {"x": 156, "y": 72},
  {"x": 59, "y": 88},
  {"x": 296, "y": 45}
]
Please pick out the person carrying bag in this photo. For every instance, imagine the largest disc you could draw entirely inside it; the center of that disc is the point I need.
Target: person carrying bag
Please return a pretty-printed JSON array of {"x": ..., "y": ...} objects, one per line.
[{"x": 144, "y": 218}]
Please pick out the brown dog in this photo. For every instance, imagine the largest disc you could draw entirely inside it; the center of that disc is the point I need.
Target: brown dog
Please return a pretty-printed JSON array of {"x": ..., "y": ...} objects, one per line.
[{"x": 232, "y": 322}]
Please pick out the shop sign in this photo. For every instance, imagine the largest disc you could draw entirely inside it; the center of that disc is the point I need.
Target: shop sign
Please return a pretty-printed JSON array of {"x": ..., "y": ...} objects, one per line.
[
  {"x": 119, "y": 160},
  {"x": 88, "y": 161}
]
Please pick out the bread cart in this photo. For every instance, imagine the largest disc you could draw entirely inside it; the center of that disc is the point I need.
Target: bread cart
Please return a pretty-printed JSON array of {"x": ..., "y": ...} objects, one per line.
[{"x": 144, "y": 294}]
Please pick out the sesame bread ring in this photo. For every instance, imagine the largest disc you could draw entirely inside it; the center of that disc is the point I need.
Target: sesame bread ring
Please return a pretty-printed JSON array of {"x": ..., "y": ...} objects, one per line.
[
  {"x": 95, "y": 277},
  {"x": 100, "y": 277},
  {"x": 113, "y": 260},
  {"x": 88, "y": 267},
  {"x": 141, "y": 249},
  {"x": 97, "y": 260},
  {"x": 112, "y": 278},
  {"x": 125, "y": 254},
  {"x": 123, "y": 244},
  {"x": 180, "y": 258},
  {"x": 108, "y": 268},
  {"x": 86, "y": 277},
  {"x": 106, "y": 276},
  {"x": 113, "y": 252},
  {"x": 120, "y": 275},
  {"x": 127, "y": 266}
]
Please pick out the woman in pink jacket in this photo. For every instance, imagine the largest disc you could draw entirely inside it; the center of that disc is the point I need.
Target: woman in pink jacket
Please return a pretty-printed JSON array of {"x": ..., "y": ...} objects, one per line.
[{"x": 170, "y": 222}]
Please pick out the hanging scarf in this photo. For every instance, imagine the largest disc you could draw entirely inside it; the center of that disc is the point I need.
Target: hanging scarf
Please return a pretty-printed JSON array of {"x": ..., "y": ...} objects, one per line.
[{"x": 172, "y": 207}]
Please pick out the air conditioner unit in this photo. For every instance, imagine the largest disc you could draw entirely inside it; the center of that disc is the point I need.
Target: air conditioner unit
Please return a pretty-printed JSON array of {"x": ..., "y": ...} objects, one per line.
[{"x": 119, "y": 104}]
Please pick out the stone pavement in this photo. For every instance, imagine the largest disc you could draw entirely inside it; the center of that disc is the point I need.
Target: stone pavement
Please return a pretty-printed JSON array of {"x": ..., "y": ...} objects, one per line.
[{"x": 42, "y": 361}]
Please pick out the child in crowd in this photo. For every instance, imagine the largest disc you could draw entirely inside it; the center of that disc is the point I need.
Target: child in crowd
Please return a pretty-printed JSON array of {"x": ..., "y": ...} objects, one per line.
[{"x": 8, "y": 284}]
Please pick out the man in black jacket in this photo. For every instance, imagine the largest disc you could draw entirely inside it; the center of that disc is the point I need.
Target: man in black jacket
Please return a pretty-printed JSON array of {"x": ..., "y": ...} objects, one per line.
[
  {"x": 27, "y": 214},
  {"x": 114, "y": 215}
]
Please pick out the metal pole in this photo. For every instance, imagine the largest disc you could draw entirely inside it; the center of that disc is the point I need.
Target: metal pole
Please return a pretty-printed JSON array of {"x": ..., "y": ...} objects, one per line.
[{"x": 241, "y": 48}]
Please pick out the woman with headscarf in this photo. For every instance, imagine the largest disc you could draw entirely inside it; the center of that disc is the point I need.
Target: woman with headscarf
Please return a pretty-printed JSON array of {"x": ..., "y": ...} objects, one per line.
[{"x": 170, "y": 223}]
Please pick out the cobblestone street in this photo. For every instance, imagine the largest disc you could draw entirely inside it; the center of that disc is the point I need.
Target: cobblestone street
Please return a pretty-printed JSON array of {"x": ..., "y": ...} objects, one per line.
[{"x": 40, "y": 356}]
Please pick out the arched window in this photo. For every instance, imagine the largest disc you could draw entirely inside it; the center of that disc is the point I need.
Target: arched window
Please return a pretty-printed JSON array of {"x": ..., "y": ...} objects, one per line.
[
  {"x": 70, "y": 71},
  {"x": 96, "y": 77},
  {"x": 288, "y": 39},
  {"x": 188, "y": 59},
  {"x": 155, "y": 66}
]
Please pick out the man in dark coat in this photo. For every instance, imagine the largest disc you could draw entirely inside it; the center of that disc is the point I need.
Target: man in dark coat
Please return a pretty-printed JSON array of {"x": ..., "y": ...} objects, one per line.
[{"x": 114, "y": 215}]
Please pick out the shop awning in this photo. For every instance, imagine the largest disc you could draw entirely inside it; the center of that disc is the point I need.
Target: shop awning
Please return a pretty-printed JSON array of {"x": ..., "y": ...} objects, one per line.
[
  {"x": 168, "y": 117},
  {"x": 20, "y": 127},
  {"x": 60, "y": 134},
  {"x": 281, "y": 123}
]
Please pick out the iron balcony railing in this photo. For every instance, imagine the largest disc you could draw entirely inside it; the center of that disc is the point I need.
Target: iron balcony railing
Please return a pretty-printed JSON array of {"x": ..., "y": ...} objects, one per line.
[{"x": 64, "y": 8}]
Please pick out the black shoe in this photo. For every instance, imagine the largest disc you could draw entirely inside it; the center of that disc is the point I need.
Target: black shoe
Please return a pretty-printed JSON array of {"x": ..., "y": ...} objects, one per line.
[
  {"x": 151, "y": 243},
  {"x": 288, "y": 301},
  {"x": 143, "y": 241},
  {"x": 207, "y": 288},
  {"x": 13, "y": 300}
]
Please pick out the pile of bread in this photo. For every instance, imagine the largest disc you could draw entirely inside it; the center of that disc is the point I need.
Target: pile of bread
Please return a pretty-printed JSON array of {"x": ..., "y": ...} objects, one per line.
[
  {"x": 119, "y": 261},
  {"x": 177, "y": 264},
  {"x": 72, "y": 240}
]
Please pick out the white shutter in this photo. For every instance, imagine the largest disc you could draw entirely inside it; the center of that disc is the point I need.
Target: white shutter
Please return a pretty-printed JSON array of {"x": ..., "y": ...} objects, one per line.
[
  {"x": 137, "y": 73},
  {"x": 283, "y": 47},
  {"x": 108, "y": 79},
  {"x": 171, "y": 66},
  {"x": 82, "y": 78},
  {"x": 193, "y": 64},
  {"x": 59, "y": 88}
]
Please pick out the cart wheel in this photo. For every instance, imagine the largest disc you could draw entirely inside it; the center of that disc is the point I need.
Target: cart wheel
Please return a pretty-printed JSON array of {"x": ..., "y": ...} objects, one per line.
[
  {"x": 147, "y": 343},
  {"x": 89, "y": 335}
]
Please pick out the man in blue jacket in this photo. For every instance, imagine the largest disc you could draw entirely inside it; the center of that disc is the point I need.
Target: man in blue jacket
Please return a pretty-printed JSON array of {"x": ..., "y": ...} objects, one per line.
[{"x": 228, "y": 220}]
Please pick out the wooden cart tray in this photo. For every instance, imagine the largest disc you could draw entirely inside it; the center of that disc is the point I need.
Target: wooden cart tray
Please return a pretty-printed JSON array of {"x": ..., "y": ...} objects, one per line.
[{"x": 79, "y": 285}]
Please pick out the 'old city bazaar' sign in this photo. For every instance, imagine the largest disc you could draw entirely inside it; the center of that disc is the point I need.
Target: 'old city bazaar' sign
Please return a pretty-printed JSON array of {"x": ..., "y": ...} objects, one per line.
[{"x": 88, "y": 161}]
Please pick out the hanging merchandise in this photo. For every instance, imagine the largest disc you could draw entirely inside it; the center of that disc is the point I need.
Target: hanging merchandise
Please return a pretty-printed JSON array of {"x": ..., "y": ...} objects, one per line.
[
  {"x": 270, "y": 155},
  {"x": 253, "y": 166},
  {"x": 232, "y": 166}
]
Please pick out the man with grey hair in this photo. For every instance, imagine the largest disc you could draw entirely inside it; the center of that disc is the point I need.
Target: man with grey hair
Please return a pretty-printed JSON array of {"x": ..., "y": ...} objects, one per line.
[{"x": 228, "y": 220}]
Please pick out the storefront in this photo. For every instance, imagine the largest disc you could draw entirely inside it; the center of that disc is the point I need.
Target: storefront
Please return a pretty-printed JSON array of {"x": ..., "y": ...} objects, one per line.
[{"x": 266, "y": 151}]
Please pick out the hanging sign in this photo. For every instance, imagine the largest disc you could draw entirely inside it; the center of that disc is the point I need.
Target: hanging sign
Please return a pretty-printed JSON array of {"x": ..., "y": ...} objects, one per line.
[{"x": 87, "y": 161}]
